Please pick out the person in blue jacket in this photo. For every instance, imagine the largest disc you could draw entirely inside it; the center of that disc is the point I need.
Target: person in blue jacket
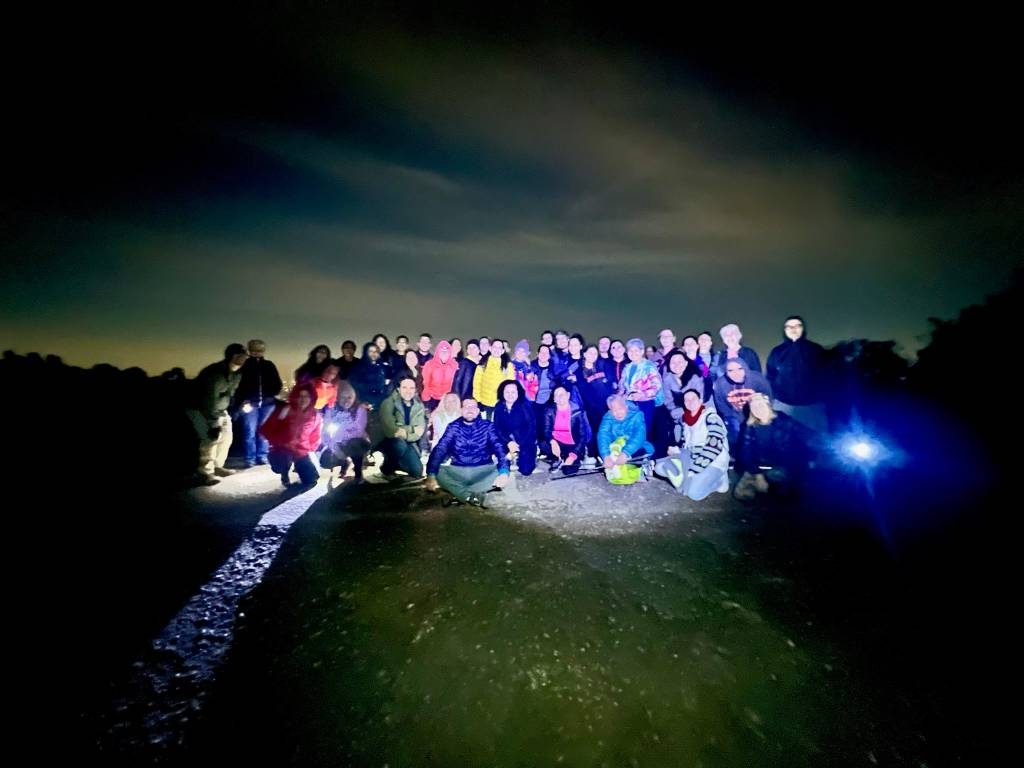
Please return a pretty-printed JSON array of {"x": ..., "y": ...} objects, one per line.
[
  {"x": 470, "y": 443},
  {"x": 517, "y": 428},
  {"x": 624, "y": 418}
]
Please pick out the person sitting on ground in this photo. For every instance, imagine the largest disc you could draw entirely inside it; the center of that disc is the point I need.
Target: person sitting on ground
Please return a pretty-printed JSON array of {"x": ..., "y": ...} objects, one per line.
[
  {"x": 449, "y": 410},
  {"x": 775, "y": 439},
  {"x": 293, "y": 431},
  {"x": 623, "y": 419},
  {"x": 210, "y": 397},
  {"x": 679, "y": 375},
  {"x": 439, "y": 375},
  {"x": 259, "y": 386},
  {"x": 698, "y": 466},
  {"x": 319, "y": 357},
  {"x": 641, "y": 383},
  {"x": 462, "y": 385},
  {"x": 755, "y": 433},
  {"x": 403, "y": 423},
  {"x": 566, "y": 432},
  {"x": 470, "y": 443},
  {"x": 732, "y": 337},
  {"x": 494, "y": 368},
  {"x": 348, "y": 359},
  {"x": 344, "y": 435},
  {"x": 733, "y": 391},
  {"x": 516, "y": 425}
]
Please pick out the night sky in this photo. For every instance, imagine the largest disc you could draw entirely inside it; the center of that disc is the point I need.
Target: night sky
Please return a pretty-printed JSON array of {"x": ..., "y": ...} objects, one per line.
[{"x": 311, "y": 172}]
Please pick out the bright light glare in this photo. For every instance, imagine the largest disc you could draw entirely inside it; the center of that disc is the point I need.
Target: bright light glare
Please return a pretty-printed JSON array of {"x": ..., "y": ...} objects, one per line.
[
  {"x": 862, "y": 450},
  {"x": 331, "y": 429}
]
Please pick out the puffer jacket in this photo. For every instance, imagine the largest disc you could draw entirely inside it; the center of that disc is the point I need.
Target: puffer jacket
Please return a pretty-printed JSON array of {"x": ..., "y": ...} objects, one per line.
[
  {"x": 468, "y": 444},
  {"x": 489, "y": 374}
]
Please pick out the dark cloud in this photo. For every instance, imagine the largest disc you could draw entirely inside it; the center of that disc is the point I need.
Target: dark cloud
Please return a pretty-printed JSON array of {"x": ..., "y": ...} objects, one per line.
[{"x": 327, "y": 177}]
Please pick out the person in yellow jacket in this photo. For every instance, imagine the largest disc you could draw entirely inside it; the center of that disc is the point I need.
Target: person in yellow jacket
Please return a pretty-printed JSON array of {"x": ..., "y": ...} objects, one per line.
[{"x": 493, "y": 368}]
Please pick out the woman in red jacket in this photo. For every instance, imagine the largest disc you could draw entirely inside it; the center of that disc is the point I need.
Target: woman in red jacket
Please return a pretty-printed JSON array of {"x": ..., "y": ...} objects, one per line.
[
  {"x": 293, "y": 431},
  {"x": 438, "y": 375}
]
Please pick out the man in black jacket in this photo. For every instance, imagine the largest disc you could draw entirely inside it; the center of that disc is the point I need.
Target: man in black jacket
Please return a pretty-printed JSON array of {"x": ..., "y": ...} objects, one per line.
[
  {"x": 255, "y": 397},
  {"x": 796, "y": 370}
]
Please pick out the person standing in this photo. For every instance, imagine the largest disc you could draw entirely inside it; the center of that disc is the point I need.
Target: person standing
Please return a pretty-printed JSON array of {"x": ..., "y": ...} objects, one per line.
[{"x": 259, "y": 385}]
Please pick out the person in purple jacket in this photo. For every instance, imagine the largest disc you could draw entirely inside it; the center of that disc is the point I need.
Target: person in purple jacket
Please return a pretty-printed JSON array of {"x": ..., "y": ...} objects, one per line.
[{"x": 345, "y": 435}]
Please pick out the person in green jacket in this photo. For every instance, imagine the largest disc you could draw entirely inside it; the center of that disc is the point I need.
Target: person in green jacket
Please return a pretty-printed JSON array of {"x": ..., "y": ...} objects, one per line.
[
  {"x": 212, "y": 391},
  {"x": 403, "y": 421}
]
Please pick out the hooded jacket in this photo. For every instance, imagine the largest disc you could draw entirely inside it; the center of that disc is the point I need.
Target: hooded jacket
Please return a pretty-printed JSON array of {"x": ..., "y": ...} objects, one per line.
[
  {"x": 595, "y": 387},
  {"x": 292, "y": 429},
  {"x": 795, "y": 370},
  {"x": 517, "y": 424},
  {"x": 746, "y": 354},
  {"x": 632, "y": 427},
  {"x": 731, "y": 398},
  {"x": 439, "y": 377}
]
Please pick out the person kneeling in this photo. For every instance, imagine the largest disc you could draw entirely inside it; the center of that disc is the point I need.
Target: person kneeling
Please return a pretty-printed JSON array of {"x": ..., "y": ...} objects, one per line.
[
  {"x": 700, "y": 465},
  {"x": 470, "y": 443},
  {"x": 403, "y": 420},
  {"x": 293, "y": 432}
]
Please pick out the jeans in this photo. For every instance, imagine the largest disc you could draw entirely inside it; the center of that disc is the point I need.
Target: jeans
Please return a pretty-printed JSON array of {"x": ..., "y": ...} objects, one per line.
[
  {"x": 694, "y": 486},
  {"x": 400, "y": 454},
  {"x": 256, "y": 446}
]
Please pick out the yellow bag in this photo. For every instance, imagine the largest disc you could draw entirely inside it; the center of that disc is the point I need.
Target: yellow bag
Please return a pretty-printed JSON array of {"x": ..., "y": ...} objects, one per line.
[{"x": 621, "y": 474}]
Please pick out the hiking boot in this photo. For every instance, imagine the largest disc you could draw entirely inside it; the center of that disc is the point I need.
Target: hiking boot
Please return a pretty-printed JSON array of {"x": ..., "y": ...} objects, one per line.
[
  {"x": 202, "y": 480},
  {"x": 760, "y": 483},
  {"x": 222, "y": 472},
  {"x": 745, "y": 490}
]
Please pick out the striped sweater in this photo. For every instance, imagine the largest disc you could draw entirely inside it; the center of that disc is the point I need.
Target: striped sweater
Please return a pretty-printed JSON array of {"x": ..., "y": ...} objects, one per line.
[{"x": 707, "y": 442}]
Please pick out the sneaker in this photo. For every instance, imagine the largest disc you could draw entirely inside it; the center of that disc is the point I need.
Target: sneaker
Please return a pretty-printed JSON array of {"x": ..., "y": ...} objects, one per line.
[
  {"x": 451, "y": 501},
  {"x": 262, "y": 460},
  {"x": 589, "y": 463},
  {"x": 556, "y": 464},
  {"x": 201, "y": 480},
  {"x": 249, "y": 465},
  {"x": 723, "y": 487},
  {"x": 476, "y": 499},
  {"x": 222, "y": 472},
  {"x": 286, "y": 482},
  {"x": 760, "y": 483}
]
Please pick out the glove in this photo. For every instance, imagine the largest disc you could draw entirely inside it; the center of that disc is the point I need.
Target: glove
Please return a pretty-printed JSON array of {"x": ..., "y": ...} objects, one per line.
[{"x": 213, "y": 433}]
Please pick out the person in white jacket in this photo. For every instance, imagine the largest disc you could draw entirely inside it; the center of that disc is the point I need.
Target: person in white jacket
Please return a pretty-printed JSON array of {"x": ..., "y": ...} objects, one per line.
[{"x": 700, "y": 466}]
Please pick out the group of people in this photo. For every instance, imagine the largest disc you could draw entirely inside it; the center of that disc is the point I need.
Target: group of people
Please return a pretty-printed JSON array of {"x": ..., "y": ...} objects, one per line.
[{"x": 473, "y": 412}]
